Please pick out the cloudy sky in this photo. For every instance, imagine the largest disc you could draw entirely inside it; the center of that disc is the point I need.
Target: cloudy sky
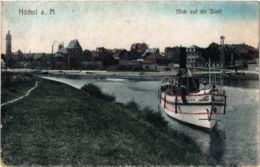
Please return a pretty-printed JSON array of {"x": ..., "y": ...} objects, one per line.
[{"x": 119, "y": 24}]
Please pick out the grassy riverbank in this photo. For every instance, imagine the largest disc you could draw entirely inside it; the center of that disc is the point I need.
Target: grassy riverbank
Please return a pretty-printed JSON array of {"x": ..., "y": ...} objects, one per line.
[
  {"x": 14, "y": 86},
  {"x": 60, "y": 125}
]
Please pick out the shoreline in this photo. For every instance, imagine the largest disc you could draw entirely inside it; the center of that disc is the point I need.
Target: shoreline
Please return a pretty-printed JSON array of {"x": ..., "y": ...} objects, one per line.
[{"x": 137, "y": 75}]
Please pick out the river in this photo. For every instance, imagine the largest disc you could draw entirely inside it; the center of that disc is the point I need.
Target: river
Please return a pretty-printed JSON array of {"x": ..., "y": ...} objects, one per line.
[{"x": 232, "y": 142}]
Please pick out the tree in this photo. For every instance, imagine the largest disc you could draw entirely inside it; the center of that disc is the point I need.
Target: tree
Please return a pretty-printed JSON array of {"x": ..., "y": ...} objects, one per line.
[
  {"x": 86, "y": 55},
  {"x": 212, "y": 52}
]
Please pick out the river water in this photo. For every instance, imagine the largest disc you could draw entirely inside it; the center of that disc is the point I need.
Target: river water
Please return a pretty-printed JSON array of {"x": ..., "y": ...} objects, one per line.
[{"x": 234, "y": 141}]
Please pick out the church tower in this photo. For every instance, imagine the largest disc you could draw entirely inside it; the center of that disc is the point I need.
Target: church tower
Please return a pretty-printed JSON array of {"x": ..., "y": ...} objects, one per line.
[{"x": 8, "y": 43}]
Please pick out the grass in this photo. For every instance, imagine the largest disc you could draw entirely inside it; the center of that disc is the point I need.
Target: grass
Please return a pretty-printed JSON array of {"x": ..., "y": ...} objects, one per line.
[
  {"x": 60, "y": 125},
  {"x": 15, "y": 85}
]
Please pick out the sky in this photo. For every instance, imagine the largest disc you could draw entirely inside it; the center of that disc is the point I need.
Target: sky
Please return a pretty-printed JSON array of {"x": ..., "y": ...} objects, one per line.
[{"x": 119, "y": 24}]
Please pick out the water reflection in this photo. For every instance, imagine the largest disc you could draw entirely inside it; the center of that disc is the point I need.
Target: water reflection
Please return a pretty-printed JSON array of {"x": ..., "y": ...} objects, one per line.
[
  {"x": 211, "y": 142},
  {"x": 200, "y": 137},
  {"x": 216, "y": 147}
]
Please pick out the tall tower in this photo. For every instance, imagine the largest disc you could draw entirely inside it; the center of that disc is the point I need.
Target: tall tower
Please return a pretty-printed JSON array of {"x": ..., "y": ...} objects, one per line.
[
  {"x": 8, "y": 43},
  {"x": 222, "y": 52}
]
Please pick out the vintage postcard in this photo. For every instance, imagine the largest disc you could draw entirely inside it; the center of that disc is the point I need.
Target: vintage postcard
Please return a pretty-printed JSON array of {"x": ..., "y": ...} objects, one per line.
[{"x": 89, "y": 83}]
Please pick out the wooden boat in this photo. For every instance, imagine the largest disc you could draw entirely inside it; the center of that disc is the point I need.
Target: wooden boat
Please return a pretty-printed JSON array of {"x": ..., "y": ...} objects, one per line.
[{"x": 181, "y": 98}]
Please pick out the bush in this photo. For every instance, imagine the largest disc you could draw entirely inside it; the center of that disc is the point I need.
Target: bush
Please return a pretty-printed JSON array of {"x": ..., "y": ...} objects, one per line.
[
  {"x": 132, "y": 105},
  {"x": 154, "y": 118},
  {"x": 147, "y": 114},
  {"x": 95, "y": 91}
]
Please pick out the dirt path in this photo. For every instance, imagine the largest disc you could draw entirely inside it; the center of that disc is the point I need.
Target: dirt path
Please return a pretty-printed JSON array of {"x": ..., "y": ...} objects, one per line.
[{"x": 21, "y": 97}]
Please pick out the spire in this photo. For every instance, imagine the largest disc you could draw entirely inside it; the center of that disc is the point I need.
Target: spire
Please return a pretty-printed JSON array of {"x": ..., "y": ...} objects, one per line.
[
  {"x": 8, "y": 43},
  {"x": 8, "y": 36}
]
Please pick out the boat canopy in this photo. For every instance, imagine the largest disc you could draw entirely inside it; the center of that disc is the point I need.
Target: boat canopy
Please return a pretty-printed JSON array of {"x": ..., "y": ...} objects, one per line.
[
  {"x": 191, "y": 84},
  {"x": 188, "y": 84}
]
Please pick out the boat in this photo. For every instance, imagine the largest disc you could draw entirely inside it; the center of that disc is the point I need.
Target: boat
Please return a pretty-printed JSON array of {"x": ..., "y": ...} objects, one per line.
[{"x": 182, "y": 99}]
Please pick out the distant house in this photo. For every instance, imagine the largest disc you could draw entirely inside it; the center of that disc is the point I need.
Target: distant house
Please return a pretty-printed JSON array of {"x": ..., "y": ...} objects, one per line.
[
  {"x": 28, "y": 60},
  {"x": 37, "y": 60},
  {"x": 239, "y": 55},
  {"x": 60, "y": 59},
  {"x": 152, "y": 56},
  {"x": 235, "y": 55},
  {"x": 152, "y": 61},
  {"x": 253, "y": 65},
  {"x": 18, "y": 55},
  {"x": 74, "y": 51},
  {"x": 194, "y": 56},
  {"x": 149, "y": 55},
  {"x": 62, "y": 52},
  {"x": 137, "y": 49},
  {"x": 101, "y": 50},
  {"x": 105, "y": 55},
  {"x": 93, "y": 59},
  {"x": 151, "y": 51},
  {"x": 13, "y": 59},
  {"x": 119, "y": 54},
  {"x": 69, "y": 57}
]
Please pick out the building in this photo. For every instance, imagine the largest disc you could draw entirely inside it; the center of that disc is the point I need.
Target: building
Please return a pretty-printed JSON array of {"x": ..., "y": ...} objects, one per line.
[
  {"x": 253, "y": 65},
  {"x": 137, "y": 49},
  {"x": 150, "y": 56},
  {"x": 74, "y": 52},
  {"x": 60, "y": 58},
  {"x": 105, "y": 55},
  {"x": 120, "y": 54},
  {"x": 9, "y": 62},
  {"x": 8, "y": 43},
  {"x": 18, "y": 55},
  {"x": 70, "y": 57},
  {"x": 239, "y": 55},
  {"x": 231, "y": 55},
  {"x": 194, "y": 56}
]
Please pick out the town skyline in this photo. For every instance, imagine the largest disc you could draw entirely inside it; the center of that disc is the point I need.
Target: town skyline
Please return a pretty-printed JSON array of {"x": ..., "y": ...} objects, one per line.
[
  {"x": 120, "y": 24},
  {"x": 57, "y": 43}
]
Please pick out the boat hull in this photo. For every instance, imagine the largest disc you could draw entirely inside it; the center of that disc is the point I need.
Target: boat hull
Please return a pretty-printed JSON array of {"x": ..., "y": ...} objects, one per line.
[
  {"x": 198, "y": 118},
  {"x": 198, "y": 113}
]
